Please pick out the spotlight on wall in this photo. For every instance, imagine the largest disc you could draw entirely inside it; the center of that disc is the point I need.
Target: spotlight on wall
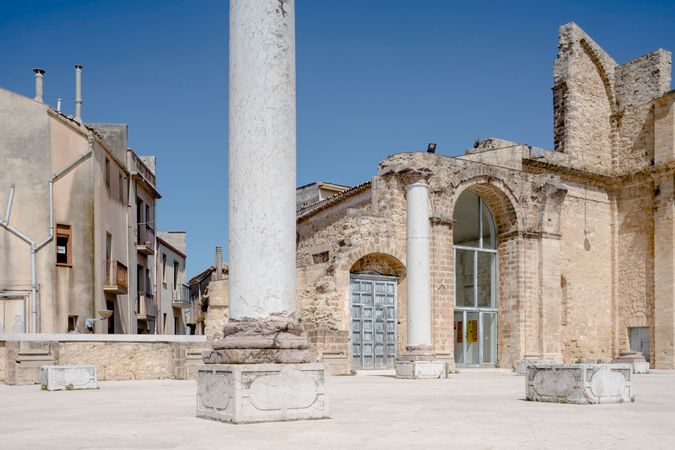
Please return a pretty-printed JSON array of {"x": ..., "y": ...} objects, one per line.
[{"x": 431, "y": 148}]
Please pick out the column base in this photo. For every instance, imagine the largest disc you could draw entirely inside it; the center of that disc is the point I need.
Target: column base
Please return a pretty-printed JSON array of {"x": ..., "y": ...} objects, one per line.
[
  {"x": 429, "y": 370},
  {"x": 251, "y": 393}
]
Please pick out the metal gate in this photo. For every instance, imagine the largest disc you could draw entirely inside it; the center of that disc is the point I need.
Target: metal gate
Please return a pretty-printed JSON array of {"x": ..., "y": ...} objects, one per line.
[
  {"x": 639, "y": 340},
  {"x": 373, "y": 321}
]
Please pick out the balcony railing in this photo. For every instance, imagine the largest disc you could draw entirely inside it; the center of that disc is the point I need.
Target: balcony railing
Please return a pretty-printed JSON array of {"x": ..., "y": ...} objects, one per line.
[
  {"x": 115, "y": 279},
  {"x": 141, "y": 169},
  {"x": 145, "y": 239},
  {"x": 180, "y": 298}
]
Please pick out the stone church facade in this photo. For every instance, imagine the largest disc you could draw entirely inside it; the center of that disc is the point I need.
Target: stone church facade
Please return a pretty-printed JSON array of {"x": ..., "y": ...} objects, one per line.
[{"x": 563, "y": 255}]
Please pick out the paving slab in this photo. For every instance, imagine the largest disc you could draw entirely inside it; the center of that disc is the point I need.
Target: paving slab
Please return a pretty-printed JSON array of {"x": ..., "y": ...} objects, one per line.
[{"x": 467, "y": 410}]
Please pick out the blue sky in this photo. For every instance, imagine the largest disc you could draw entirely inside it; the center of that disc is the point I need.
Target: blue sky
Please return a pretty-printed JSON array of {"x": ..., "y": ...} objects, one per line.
[{"x": 375, "y": 77}]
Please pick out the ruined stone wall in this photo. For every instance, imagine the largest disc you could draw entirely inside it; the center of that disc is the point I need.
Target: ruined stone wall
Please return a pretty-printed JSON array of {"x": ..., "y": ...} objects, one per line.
[
  {"x": 637, "y": 83},
  {"x": 586, "y": 274},
  {"x": 582, "y": 98},
  {"x": 635, "y": 223}
]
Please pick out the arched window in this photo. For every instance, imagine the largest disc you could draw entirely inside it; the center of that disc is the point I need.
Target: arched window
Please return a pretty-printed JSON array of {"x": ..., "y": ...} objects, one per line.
[{"x": 475, "y": 244}]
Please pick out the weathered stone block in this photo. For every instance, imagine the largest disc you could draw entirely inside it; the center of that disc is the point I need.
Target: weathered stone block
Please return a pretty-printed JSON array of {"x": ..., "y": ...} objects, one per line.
[
  {"x": 67, "y": 378},
  {"x": 249, "y": 393},
  {"x": 420, "y": 369},
  {"x": 580, "y": 383}
]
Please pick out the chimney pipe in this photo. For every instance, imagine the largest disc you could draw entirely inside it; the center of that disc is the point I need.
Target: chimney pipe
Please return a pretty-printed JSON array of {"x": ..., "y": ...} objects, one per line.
[
  {"x": 78, "y": 92},
  {"x": 219, "y": 263},
  {"x": 39, "y": 76}
]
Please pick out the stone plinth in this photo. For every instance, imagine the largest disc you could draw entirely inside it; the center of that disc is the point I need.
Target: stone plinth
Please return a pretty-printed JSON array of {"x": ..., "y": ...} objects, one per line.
[
  {"x": 635, "y": 359},
  {"x": 249, "y": 393},
  {"x": 68, "y": 378},
  {"x": 580, "y": 383},
  {"x": 420, "y": 369}
]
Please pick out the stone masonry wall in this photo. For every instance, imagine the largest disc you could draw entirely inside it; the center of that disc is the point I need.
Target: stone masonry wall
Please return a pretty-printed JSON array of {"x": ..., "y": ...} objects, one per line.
[
  {"x": 586, "y": 274},
  {"x": 635, "y": 223},
  {"x": 119, "y": 359}
]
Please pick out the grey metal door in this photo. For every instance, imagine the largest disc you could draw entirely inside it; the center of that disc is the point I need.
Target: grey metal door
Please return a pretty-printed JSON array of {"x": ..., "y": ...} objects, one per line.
[
  {"x": 373, "y": 322},
  {"x": 639, "y": 340}
]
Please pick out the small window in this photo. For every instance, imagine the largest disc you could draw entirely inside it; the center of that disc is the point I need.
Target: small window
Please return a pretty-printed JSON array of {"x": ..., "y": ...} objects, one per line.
[
  {"x": 319, "y": 258},
  {"x": 64, "y": 254},
  {"x": 107, "y": 174},
  {"x": 72, "y": 324},
  {"x": 175, "y": 275},
  {"x": 120, "y": 188},
  {"x": 164, "y": 269}
]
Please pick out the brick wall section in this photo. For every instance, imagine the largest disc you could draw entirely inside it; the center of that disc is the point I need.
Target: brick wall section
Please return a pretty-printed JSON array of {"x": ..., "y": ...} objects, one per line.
[{"x": 442, "y": 288}]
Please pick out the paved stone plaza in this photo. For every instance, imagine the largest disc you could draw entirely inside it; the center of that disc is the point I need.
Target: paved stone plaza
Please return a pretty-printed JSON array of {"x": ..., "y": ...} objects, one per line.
[{"x": 469, "y": 410}]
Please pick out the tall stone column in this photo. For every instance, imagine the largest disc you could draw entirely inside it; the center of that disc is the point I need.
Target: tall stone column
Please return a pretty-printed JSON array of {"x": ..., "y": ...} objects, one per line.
[
  {"x": 263, "y": 369},
  {"x": 418, "y": 361}
]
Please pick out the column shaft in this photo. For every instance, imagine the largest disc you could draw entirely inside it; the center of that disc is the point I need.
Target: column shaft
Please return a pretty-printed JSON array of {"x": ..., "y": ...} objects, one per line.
[
  {"x": 261, "y": 147},
  {"x": 418, "y": 261}
]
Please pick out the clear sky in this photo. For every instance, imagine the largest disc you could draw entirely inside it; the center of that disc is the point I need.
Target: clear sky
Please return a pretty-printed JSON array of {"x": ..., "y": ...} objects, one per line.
[{"x": 374, "y": 77}]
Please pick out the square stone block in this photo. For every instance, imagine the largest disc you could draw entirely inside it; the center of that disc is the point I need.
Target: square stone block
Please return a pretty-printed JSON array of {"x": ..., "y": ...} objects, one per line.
[
  {"x": 640, "y": 367},
  {"x": 420, "y": 369},
  {"x": 580, "y": 383},
  {"x": 250, "y": 393},
  {"x": 68, "y": 378}
]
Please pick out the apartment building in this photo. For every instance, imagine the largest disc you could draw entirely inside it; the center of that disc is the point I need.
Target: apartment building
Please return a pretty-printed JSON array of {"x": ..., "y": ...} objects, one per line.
[
  {"x": 77, "y": 240},
  {"x": 173, "y": 302}
]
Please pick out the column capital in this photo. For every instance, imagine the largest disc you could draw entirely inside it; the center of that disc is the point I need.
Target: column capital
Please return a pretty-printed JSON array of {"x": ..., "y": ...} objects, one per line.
[{"x": 415, "y": 177}]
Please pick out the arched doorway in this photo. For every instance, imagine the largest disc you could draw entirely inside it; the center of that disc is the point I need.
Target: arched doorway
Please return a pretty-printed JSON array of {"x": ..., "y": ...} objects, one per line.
[
  {"x": 374, "y": 296},
  {"x": 475, "y": 253}
]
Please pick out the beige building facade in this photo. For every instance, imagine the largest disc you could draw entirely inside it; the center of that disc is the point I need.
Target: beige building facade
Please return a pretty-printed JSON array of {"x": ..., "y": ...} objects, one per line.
[
  {"x": 173, "y": 301},
  {"x": 81, "y": 204}
]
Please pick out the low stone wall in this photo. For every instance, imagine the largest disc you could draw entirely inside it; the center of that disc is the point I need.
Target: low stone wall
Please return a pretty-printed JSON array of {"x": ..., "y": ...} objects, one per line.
[{"x": 116, "y": 357}]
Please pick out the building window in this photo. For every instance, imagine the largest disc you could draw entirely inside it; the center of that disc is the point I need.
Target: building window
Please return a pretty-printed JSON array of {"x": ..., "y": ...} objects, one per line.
[
  {"x": 120, "y": 188},
  {"x": 64, "y": 253},
  {"x": 175, "y": 275},
  {"x": 72, "y": 324},
  {"x": 164, "y": 269},
  {"x": 107, "y": 174}
]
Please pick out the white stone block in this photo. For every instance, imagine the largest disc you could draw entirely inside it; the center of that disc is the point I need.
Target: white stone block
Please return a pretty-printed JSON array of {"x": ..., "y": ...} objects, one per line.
[
  {"x": 640, "y": 367},
  {"x": 67, "y": 378},
  {"x": 580, "y": 383},
  {"x": 249, "y": 393},
  {"x": 420, "y": 369}
]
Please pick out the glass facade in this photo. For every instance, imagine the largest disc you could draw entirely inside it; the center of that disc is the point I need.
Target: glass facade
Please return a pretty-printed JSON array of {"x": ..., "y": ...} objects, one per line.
[{"x": 475, "y": 318}]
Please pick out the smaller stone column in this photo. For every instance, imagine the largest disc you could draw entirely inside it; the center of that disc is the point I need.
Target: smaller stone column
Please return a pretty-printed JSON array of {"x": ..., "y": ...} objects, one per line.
[{"x": 418, "y": 361}]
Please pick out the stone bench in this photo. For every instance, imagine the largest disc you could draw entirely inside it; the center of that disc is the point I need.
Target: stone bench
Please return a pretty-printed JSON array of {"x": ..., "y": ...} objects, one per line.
[
  {"x": 580, "y": 383},
  {"x": 66, "y": 378}
]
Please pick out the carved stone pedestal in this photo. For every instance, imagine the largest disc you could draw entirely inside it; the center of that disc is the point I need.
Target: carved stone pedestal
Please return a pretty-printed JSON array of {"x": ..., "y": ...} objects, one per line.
[
  {"x": 580, "y": 383},
  {"x": 261, "y": 371},
  {"x": 249, "y": 393}
]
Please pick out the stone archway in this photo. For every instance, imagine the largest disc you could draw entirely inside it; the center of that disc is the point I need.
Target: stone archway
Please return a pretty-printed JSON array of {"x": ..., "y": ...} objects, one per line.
[
  {"x": 376, "y": 302},
  {"x": 502, "y": 262}
]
